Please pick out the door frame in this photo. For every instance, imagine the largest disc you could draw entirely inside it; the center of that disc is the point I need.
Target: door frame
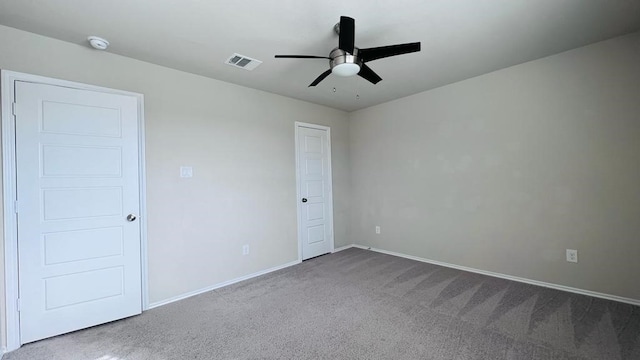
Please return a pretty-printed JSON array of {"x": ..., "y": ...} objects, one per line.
[
  {"x": 299, "y": 125},
  {"x": 9, "y": 191}
]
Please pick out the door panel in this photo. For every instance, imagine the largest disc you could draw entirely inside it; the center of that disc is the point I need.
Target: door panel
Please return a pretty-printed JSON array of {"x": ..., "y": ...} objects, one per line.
[
  {"x": 67, "y": 118},
  {"x": 95, "y": 284},
  {"x": 97, "y": 161},
  {"x": 315, "y": 188},
  {"x": 70, "y": 204},
  {"x": 85, "y": 244},
  {"x": 77, "y": 179}
]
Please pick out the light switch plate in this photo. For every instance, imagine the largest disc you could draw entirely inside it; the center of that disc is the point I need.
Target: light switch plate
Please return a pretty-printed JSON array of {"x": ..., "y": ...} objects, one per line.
[{"x": 186, "y": 171}]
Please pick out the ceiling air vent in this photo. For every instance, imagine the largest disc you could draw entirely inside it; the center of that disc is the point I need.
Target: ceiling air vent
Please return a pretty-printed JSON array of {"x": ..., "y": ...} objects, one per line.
[{"x": 243, "y": 62}]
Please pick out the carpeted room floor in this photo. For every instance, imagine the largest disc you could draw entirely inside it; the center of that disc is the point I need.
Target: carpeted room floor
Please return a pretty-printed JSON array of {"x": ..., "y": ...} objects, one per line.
[{"x": 359, "y": 304}]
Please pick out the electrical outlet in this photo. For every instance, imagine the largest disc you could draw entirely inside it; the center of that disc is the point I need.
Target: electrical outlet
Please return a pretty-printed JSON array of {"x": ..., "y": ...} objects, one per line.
[
  {"x": 377, "y": 229},
  {"x": 245, "y": 249},
  {"x": 186, "y": 171},
  {"x": 572, "y": 255}
]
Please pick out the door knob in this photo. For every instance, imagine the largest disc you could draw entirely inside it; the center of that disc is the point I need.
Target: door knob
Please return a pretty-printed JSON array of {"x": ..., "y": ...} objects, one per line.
[
  {"x": 304, "y": 199},
  {"x": 131, "y": 218}
]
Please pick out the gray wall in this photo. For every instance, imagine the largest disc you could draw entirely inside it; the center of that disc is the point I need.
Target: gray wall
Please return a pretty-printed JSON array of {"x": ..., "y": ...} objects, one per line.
[
  {"x": 240, "y": 143},
  {"x": 505, "y": 171},
  {"x": 501, "y": 172}
]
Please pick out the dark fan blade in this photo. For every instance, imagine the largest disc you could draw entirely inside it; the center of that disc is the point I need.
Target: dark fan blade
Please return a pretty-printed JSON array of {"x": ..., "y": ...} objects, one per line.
[
  {"x": 386, "y": 51},
  {"x": 347, "y": 34},
  {"x": 300, "y": 57},
  {"x": 320, "y": 78},
  {"x": 368, "y": 74}
]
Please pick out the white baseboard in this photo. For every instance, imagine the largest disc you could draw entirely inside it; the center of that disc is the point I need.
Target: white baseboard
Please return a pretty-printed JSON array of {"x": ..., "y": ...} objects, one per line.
[
  {"x": 342, "y": 248},
  {"x": 219, "y": 285},
  {"x": 508, "y": 277},
  {"x": 233, "y": 281}
]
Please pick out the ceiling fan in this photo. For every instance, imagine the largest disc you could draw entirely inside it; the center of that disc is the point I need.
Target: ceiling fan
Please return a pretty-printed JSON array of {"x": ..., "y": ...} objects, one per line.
[{"x": 348, "y": 60}]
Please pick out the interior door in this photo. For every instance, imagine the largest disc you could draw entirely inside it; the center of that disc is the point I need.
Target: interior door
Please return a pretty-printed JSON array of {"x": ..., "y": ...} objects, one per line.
[
  {"x": 77, "y": 202},
  {"x": 316, "y": 218}
]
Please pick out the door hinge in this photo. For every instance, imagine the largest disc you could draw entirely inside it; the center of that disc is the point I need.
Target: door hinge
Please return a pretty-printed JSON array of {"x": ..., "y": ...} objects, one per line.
[
  {"x": 18, "y": 304},
  {"x": 15, "y": 206},
  {"x": 14, "y": 109}
]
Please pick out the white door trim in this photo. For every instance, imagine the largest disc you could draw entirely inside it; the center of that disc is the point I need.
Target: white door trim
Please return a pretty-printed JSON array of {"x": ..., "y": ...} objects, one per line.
[
  {"x": 7, "y": 93},
  {"x": 298, "y": 125}
]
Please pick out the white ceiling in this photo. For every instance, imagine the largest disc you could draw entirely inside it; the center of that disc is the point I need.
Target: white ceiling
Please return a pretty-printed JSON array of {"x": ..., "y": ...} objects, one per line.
[{"x": 460, "y": 38}]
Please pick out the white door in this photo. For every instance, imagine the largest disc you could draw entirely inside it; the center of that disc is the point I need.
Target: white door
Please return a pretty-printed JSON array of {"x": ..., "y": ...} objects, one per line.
[
  {"x": 315, "y": 210},
  {"x": 77, "y": 180}
]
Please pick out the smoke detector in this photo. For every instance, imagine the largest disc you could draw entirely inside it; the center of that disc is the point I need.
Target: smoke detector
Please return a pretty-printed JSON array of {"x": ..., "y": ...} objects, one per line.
[{"x": 98, "y": 43}]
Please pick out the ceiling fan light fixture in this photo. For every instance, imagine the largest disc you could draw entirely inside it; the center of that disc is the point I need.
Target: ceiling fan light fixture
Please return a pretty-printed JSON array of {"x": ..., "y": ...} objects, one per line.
[
  {"x": 345, "y": 64},
  {"x": 346, "y": 69}
]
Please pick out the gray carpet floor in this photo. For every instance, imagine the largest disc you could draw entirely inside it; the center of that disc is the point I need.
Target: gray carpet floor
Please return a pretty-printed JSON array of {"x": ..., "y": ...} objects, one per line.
[{"x": 359, "y": 304}]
